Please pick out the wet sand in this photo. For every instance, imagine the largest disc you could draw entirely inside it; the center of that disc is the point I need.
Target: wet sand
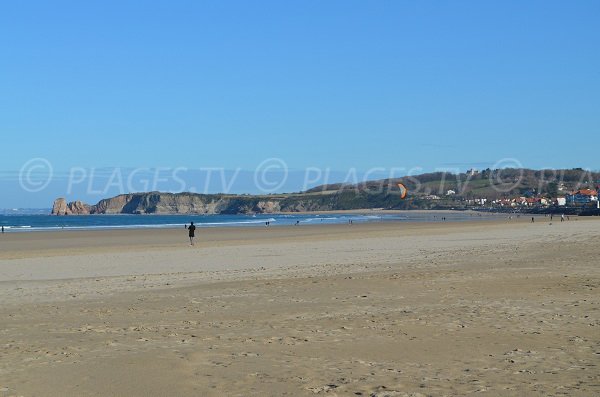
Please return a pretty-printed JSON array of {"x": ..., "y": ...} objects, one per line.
[{"x": 503, "y": 308}]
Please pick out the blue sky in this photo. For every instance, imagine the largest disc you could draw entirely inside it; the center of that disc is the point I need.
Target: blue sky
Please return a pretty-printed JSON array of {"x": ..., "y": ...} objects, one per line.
[{"x": 328, "y": 84}]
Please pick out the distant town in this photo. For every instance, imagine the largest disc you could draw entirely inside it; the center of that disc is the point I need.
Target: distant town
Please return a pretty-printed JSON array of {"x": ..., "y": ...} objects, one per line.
[{"x": 568, "y": 189}]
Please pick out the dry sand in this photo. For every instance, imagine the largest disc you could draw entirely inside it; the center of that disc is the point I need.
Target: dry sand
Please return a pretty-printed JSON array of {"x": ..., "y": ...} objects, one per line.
[{"x": 497, "y": 308}]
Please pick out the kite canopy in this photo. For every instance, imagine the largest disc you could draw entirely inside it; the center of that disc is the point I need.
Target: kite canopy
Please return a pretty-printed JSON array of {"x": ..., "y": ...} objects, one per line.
[{"x": 403, "y": 190}]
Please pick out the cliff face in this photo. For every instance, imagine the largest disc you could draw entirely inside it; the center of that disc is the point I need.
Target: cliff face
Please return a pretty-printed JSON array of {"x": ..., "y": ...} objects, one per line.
[
  {"x": 168, "y": 203},
  {"x": 192, "y": 203}
]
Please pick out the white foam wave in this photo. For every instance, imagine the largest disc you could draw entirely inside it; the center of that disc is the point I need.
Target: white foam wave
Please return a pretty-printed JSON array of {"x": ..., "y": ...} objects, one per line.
[{"x": 138, "y": 226}]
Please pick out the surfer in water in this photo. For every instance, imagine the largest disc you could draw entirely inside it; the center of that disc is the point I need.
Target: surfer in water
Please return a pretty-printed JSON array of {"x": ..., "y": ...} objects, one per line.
[{"x": 191, "y": 229}]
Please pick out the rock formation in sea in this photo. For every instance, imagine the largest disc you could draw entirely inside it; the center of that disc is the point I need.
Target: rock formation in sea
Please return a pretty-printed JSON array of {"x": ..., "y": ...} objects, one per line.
[{"x": 61, "y": 207}]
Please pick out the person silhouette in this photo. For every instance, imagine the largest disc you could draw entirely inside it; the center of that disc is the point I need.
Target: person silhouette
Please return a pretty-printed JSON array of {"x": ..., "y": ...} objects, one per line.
[{"x": 191, "y": 230}]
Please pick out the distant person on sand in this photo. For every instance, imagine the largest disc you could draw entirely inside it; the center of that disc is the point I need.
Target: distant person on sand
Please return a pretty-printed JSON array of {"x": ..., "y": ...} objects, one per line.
[
  {"x": 532, "y": 219},
  {"x": 2, "y": 229},
  {"x": 191, "y": 230}
]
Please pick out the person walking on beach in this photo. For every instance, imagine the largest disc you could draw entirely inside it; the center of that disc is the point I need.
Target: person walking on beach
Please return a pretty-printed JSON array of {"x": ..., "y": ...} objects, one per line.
[
  {"x": 191, "y": 230},
  {"x": 2, "y": 229}
]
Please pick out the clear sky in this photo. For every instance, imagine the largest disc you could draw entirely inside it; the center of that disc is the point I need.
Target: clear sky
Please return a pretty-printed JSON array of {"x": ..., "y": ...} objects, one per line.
[{"x": 338, "y": 84}]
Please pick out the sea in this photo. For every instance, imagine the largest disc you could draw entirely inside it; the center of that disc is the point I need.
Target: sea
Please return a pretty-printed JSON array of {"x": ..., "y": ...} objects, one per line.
[{"x": 31, "y": 221}]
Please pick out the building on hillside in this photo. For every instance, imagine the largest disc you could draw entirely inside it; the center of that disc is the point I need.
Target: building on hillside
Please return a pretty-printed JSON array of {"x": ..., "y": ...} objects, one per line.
[
  {"x": 531, "y": 201},
  {"x": 582, "y": 197},
  {"x": 450, "y": 192},
  {"x": 560, "y": 201},
  {"x": 505, "y": 203},
  {"x": 521, "y": 200},
  {"x": 472, "y": 172}
]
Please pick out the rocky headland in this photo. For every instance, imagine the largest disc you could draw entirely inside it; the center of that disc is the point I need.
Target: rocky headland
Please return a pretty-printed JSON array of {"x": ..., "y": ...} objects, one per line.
[{"x": 191, "y": 203}]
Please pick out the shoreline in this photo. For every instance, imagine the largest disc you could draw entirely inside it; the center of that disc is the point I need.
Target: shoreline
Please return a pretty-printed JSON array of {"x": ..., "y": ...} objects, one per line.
[{"x": 250, "y": 221}]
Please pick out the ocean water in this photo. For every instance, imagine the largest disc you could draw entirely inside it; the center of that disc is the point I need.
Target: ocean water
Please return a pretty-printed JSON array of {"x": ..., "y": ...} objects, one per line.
[{"x": 37, "y": 222}]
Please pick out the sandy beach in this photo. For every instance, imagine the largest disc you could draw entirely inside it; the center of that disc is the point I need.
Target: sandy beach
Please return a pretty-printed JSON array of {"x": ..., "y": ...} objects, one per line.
[{"x": 495, "y": 307}]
